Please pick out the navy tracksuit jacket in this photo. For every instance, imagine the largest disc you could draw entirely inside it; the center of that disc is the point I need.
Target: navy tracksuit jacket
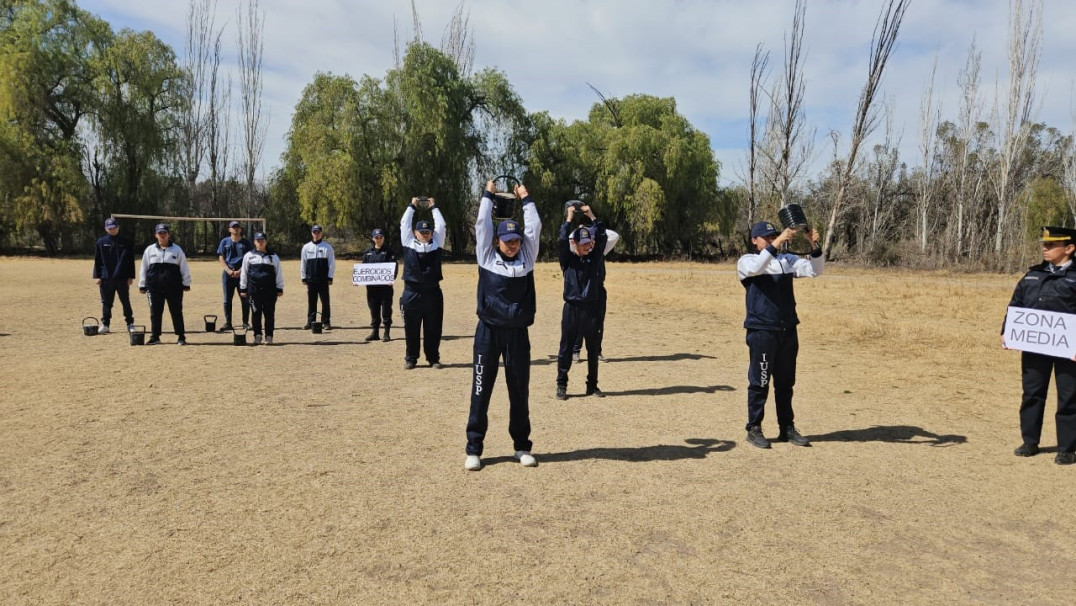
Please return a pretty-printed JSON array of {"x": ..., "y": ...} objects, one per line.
[{"x": 584, "y": 302}]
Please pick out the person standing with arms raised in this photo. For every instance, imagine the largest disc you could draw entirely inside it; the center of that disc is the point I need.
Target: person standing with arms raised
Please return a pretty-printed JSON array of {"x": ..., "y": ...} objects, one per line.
[
  {"x": 422, "y": 303},
  {"x": 506, "y": 308},
  {"x": 772, "y": 336},
  {"x": 317, "y": 264},
  {"x": 164, "y": 276},
  {"x": 114, "y": 272}
]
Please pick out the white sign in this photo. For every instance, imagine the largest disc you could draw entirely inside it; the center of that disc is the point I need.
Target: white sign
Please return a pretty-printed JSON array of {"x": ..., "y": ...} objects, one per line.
[
  {"x": 376, "y": 274},
  {"x": 1045, "y": 332}
]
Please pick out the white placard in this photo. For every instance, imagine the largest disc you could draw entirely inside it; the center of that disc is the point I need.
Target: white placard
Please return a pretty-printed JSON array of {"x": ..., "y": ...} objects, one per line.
[
  {"x": 1045, "y": 332},
  {"x": 373, "y": 274}
]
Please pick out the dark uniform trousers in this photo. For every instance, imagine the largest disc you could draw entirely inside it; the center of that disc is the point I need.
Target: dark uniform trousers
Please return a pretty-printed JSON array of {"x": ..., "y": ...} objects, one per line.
[
  {"x": 109, "y": 290},
  {"x": 491, "y": 343},
  {"x": 230, "y": 285},
  {"x": 263, "y": 303},
  {"x": 314, "y": 291},
  {"x": 580, "y": 321},
  {"x": 157, "y": 299},
  {"x": 1036, "y": 369},
  {"x": 379, "y": 300},
  {"x": 423, "y": 313},
  {"x": 598, "y": 335},
  {"x": 773, "y": 359}
]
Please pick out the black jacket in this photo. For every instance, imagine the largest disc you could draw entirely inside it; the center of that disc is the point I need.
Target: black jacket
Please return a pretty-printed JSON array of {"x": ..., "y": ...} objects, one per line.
[
  {"x": 1049, "y": 291},
  {"x": 584, "y": 277},
  {"x": 113, "y": 258}
]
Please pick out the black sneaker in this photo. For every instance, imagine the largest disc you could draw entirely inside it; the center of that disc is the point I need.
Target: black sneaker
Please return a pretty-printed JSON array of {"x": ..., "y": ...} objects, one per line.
[
  {"x": 385, "y": 338},
  {"x": 436, "y": 365},
  {"x": 226, "y": 328},
  {"x": 562, "y": 392},
  {"x": 327, "y": 326},
  {"x": 755, "y": 438},
  {"x": 1065, "y": 458},
  {"x": 601, "y": 358},
  {"x": 246, "y": 325},
  {"x": 181, "y": 341},
  {"x": 409, "y": 364},
  {"x": 306, "y": 326},
  {"x": 594, "y": 391},
  {"x": 789, "y": 434},
  {"x": 373, "y": 337},
  {"x": 1027, "y": 449},
  {"x": 154, "y": 341}
]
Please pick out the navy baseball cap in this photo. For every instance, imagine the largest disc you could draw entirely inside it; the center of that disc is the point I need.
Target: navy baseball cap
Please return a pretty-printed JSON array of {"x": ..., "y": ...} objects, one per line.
[
  {"x": 315, "y": 228},
  {"x": 423, "y": 226},
  {"x": 161, "y": 227},
  {"x": 582, "y": 236},
  {"x": 508, "y": 230},
  {"x": 763, "y": 229},
  {"x": 234, "y": 224},
  {"x": 259, "y": 236},
  {"x": 376, "y": 233},
  {"x": 110, "y": 223}
]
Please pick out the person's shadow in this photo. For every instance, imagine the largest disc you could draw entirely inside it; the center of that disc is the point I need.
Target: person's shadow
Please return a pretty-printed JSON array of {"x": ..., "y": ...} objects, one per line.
[
  {"x": 895, "y": 434},
  {"x": 698, "y": 448},
  {"x": 668, "y": 358},
  {"x": 670, "y": 390}
]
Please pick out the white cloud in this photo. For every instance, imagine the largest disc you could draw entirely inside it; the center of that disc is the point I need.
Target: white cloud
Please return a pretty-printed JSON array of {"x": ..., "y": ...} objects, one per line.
[{"x": 697, "y": 51}]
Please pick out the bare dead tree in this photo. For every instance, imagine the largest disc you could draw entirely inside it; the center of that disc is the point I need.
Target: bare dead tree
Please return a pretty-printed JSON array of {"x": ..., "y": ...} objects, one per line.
[
  {"x": 759, "y": 64},
  {"x": 967, "y": 184},
  {"x": 1013, "y": 114},
  {"x": 251, "y": 47},
  {"x": 884, "y": 39},
  {"x": 787, "y": 151},
  {"x": 218, "y": 128},
  {"x": 1068, "y": 165},
  {"x": 886, "y": 159},
  {"x": 416, "y": 23},
  {"x": 458, "y": 40},
  {"x": 196, "y": 66},
  {"x": 929, "y": 118}
]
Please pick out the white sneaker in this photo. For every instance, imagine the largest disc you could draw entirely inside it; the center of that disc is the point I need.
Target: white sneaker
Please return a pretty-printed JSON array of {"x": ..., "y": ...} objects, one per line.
[
  {"x": 130, "y": 328},
  {"x": 526, "y": 459},
  {"x": 268, "y": 340},
  {"x": 473, "y": 463},
  {"x": 103, "y": 330},
  {"x": 257, "y": 339}
]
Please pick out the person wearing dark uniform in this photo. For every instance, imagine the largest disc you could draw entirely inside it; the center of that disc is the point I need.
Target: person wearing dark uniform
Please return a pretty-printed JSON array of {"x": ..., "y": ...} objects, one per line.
[
  {"x": 164, "y": 276},
  {"x": 317, "y": 265},
  {"x": 114, "y": 271},
  {"x": 506, "y": 308},
  {"x": 611, "y": 239},
  {"x": 379, "y": 298},
  {"x": 582, "y": 260},
  {"x": 422, "y": 303},
  {"x": 261, "y": 281},
  {"x": 230, "y": 253},
  {"x": 1049, "y": 286},
  {"x": 772, "y": 338}
]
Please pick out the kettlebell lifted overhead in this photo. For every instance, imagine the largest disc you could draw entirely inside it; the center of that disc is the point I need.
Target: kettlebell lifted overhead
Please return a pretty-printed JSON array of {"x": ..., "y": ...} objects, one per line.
[{"x": 504, "y": 202}]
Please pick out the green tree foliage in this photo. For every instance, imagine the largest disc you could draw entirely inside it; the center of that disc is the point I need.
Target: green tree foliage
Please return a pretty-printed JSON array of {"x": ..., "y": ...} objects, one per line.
[
  {"x": 646, "y": 170},
  {"x": 46, "y": 56},
  {"x": 358, "y": 151}
]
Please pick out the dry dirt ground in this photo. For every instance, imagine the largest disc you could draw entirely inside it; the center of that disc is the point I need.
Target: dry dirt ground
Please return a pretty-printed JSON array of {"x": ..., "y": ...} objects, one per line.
[{"x": 321, "y": 472}]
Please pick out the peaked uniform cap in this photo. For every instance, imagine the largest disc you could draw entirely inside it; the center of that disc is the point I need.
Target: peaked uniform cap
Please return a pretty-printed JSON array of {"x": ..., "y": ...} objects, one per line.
[{"x": 1058, "y": 234}]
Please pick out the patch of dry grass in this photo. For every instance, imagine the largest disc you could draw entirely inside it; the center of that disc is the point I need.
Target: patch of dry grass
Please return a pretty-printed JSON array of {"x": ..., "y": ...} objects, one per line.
[{"x": 322, "y": 472}]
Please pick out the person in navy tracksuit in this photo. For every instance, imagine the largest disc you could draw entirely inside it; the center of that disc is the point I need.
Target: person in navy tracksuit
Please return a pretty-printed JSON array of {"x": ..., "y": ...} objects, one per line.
[
  {"x": 164, "y": 276},
  {"x": 114, "y": 271},
  {"x": 771, "y": 321},
  {"x": 611, "y": 239},
  {"x": 379, "y": 298},
  {"x": 506, "y": 308},
  {"x": 261, "y": 281},
  {"x": 317, "y": 265},
  {"x": 422, "y": 303},
  {"x": 582, "y": 260},
  {"x": 1049, "y": 286},
  {"x": 230, "y": 253}
]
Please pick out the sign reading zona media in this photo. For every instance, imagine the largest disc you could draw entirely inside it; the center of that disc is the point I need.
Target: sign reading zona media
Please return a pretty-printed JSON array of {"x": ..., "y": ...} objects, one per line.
[{"x": 1045, "y": 332}]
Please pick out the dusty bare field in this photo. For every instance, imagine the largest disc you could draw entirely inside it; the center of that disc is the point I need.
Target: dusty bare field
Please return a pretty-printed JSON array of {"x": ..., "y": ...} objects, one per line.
[{"x": 322, "y": 472}]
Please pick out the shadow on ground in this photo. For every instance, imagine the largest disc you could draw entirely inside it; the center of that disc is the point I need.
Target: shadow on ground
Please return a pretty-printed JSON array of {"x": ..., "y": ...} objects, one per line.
[
  {"x": 698, "y": 448},
  {"x": 895, "y": 434},
  {"x": 671, "y": 390}
]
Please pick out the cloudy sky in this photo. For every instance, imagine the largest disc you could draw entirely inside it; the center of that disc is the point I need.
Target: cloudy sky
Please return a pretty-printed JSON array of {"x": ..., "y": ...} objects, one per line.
[{"x": 698, "y": 51}]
